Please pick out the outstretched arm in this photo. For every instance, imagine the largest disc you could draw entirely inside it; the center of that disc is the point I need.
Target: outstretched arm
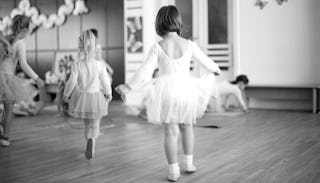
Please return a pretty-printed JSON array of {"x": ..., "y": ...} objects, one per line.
[
  {"x": 106, "y": 84},
  {"x": 109, "y": 68},
  {"x": 203, "y": 59},
  {"x": 240, "y": 98},
  {"x": 71, "y": 83},
  {"x": 143, "y": 73},
  {"x": 21, "y": 49},
  {"x": 146, "y": 70}
]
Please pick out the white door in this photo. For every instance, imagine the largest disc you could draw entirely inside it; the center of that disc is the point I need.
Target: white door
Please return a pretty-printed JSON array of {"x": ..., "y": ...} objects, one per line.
[{"x": 212, "y": 28}]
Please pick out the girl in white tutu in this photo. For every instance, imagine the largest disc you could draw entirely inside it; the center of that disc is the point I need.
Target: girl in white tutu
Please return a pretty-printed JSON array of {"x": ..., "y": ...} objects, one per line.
[
  {"x": 178, "y": 99},
  {"x": 12, "y": 88},
  {"x": 88, "y": 90}
]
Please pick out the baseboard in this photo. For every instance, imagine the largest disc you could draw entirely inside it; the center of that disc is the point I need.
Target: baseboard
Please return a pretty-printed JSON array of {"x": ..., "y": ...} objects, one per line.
[{"x": 301, "y": 105}]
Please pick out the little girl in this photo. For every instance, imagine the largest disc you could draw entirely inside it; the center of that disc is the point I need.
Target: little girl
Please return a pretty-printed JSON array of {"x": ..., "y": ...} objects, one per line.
[
  {"x": 12, "y": 90},
  {"x": 178, "y": 98},
  {"x": 222, "y": 91},
  {"x": 88, "y": 90}
]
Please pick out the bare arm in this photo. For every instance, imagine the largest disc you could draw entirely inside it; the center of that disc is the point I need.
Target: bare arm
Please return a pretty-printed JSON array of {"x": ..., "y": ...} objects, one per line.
[
  {"x": 240, "y": 98},
  {"x": 71, "y": 83},
  {"x": 21, "y": 49},
  {"x": 109, "y": 68},
  {"x": 146, "y": 69},
  {"x": 106, "y": 84}
]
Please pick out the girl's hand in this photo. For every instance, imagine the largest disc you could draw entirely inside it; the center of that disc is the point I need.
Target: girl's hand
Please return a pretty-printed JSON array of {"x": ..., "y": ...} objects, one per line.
[
  {"x": 217, "y": 73},
  {"x": 66, "y": 99},
  {"x": 40, "y": 83},
  {"x": 123, "y": 89},
  {"x": 108, "y": 97}
]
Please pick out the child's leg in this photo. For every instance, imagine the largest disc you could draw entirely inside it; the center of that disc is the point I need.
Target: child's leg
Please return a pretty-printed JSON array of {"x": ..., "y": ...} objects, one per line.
[
  {"x": 2, "y": 116},
  {"x": 187, "y": 137},
  {"x": 2, "y": 121},
  {"x": 93, "y": 133},
  {"x": 94, "y": 129},
  {"x": 171, "y": 133},
  {"x": 86, "y": 129},
  {"x": 6, "y": 123},
  {"x": 7, "y": 118}
]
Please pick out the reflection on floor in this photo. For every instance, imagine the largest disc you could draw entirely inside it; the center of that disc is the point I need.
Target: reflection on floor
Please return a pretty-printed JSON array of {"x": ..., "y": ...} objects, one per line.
[{"x": 261, "y": 146}]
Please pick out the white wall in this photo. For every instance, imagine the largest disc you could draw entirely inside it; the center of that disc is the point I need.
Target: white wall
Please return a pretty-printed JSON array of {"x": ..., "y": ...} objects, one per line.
[{"x": 279, "y": 44}]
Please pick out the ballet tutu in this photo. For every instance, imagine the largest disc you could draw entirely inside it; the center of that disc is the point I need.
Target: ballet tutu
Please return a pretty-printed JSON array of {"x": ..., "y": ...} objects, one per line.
[
  {"x": 88, "y": 105},
  {"x": 15, "y": 89},
  {"x": 178, "y": 99}
]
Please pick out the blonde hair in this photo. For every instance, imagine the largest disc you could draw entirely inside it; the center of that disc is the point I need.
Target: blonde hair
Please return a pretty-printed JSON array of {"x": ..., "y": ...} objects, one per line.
[{"x": 87, "y": 45}]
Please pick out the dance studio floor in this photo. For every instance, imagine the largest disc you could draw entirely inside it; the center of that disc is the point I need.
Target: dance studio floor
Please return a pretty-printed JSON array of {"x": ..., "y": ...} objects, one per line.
[{"x": 258, "y": 147}]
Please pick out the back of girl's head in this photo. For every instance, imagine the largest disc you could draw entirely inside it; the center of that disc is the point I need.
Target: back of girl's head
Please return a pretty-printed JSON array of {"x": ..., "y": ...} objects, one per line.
[
  {"x": 168, "y": 20},
  {"x": 241, "y": 78},
  {"x": 20, "y": 23},
  {"x": 87, "y": 44}
]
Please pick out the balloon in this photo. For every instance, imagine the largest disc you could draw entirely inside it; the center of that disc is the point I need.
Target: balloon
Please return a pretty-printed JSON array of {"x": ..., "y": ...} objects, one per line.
[{"x": 47, "y": 22}]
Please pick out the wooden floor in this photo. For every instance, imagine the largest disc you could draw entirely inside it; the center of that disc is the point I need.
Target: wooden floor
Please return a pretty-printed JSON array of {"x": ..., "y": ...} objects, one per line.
[{"x": 258, "y": 147}]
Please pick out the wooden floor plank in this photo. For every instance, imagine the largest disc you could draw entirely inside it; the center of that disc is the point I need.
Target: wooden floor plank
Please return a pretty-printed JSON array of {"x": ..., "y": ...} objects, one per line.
[{"x": 261, "y": 146}]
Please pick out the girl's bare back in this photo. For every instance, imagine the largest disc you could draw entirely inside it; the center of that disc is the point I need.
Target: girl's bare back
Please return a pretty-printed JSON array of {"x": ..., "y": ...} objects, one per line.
[{"x": 174, "y": 46}]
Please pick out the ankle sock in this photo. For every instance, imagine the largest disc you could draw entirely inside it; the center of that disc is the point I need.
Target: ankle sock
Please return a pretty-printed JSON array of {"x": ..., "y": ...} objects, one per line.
[
  {"x": 188, "y": 160},
  {"x": 174, "y": 168}
]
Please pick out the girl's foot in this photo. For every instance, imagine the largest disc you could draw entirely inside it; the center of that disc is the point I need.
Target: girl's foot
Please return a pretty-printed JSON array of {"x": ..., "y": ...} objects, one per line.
[
  {"x": 174, "y": 177},
  {"x": 189, "y": 168},
  {"x": 188, "y": 164},
  {"x": 174, "y": 172},
  {"x": 4, "y": 141},
  {"x": 89, "y": 150}
]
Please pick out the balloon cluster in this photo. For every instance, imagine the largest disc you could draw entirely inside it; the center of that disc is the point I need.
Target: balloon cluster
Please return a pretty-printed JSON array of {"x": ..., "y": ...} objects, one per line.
[
  {"x": 47, "y": 22},
  {"x": 261, "y": 3}
]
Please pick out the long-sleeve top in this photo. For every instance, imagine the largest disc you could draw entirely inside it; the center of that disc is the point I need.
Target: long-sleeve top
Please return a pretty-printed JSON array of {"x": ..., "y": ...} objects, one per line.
[
  {"x": 19, "y": 55},
  {"x": 226, "y": 89},
  {"x": 89, "y": 77},
  {"x": 172, "y": 66}
]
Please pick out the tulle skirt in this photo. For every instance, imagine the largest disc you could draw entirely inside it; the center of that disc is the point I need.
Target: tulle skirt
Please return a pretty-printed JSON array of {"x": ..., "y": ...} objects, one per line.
[
  {"x": 88, "y": 105},
  {"x": 15, "y": 89},
  {"x": 178, "y": 99}
]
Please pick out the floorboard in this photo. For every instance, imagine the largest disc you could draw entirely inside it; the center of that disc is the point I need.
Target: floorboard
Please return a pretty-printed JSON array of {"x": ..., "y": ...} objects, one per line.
[{"x": 258, "y": 147}]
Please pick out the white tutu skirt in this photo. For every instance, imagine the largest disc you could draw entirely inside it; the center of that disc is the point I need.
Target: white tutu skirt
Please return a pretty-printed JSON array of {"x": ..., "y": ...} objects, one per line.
[
  {"x": 88, "y": 105},
  {"x": 15, "y": 89},
  {"x": 178, "y": 99}
]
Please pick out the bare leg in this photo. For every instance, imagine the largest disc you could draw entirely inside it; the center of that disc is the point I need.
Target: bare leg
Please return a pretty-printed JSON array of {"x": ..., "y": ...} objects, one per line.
[
  {"x": 6, "y": 123},
  {"x": 94, "y": 129},
  {"x": 2, "y": 121},
  {"x": 171, "y": 133},
  {"x": 2, "y": 117},
  {"x": 7, "y": 119},
  {"x": 93, "y": 133},
  {"x": 187, "y": 137},
  {"x": 86, "y": 129},
  {"x": 211, "y": 105}
]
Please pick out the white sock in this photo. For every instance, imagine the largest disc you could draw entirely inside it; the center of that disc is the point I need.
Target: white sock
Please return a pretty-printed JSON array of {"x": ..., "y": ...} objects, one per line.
[
  {"x": 188, "y": 160},
  {"x": 174, "y": 168}
]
